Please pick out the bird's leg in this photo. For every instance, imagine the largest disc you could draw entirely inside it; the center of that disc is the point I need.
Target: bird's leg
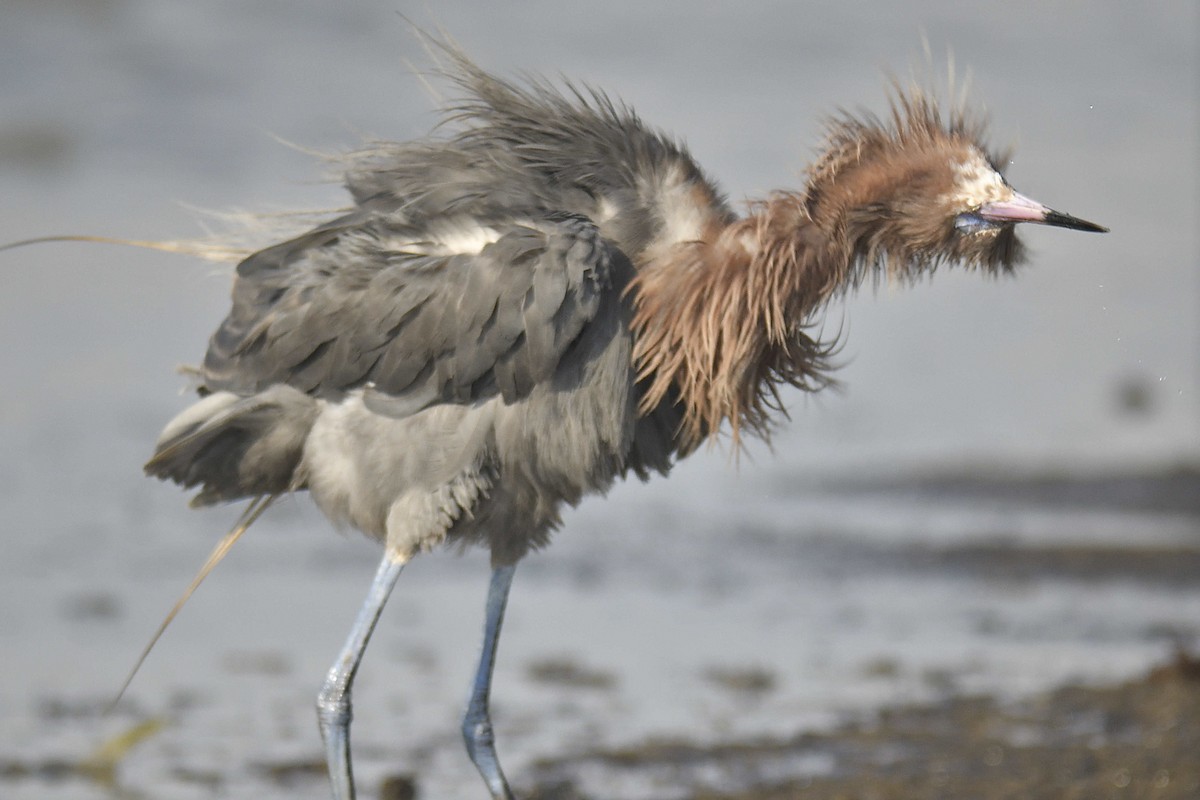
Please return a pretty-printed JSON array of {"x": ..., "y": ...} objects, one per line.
[
  {"x": 477, "y": 725},
  {"x": 333, "y": 703}
]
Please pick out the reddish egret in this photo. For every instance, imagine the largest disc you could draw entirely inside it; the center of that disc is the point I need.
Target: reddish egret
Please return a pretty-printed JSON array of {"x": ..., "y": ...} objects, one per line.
[{"x": 545, "y": 297}]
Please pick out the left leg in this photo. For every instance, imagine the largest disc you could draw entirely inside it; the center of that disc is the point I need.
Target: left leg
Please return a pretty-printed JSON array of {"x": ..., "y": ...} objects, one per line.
[{"x": 333, "y": 703}]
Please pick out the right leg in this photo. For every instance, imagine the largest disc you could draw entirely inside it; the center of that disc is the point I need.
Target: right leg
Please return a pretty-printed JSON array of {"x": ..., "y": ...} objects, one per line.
[{"x": 477, "y": 724}]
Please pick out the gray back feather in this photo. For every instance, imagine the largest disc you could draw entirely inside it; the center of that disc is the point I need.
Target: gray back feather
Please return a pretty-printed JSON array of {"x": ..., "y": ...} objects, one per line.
[{"x": 358, "y": 303}]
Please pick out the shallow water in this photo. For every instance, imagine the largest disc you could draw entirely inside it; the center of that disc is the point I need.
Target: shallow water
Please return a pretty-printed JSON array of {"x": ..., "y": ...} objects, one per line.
[{"x": 851, "y": 567}]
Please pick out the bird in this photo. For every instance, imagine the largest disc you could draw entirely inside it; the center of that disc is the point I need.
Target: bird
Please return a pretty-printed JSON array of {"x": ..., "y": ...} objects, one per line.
[{"x": 541, "y": 297}]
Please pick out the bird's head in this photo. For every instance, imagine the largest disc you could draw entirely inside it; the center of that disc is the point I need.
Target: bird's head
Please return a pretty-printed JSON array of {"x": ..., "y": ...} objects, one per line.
[{"x": 920, "y": 189}]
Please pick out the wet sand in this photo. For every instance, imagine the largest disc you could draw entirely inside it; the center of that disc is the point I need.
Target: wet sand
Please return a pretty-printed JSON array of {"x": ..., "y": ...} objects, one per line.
[{"x": 1138, "y": 739}]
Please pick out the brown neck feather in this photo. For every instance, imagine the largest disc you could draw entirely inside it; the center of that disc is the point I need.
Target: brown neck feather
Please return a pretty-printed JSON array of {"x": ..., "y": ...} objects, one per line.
[{"x": 721, "y": 321}]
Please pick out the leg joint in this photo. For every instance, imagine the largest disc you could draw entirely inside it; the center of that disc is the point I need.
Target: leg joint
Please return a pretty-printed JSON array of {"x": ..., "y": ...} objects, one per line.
[
  {"x": 334, "y": 716},
  {"x": 333, "y": 704},
  {"x": 477, "y": 733}
]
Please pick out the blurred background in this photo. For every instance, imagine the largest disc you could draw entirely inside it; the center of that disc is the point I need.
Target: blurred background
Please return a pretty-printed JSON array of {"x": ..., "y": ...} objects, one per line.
[{"x": 1004, "y": 497}]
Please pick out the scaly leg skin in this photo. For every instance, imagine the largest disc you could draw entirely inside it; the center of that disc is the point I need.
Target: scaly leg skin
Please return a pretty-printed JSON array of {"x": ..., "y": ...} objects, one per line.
[
  {"x": 477, "y": 725},
  {"x": 333, "y": 703}
]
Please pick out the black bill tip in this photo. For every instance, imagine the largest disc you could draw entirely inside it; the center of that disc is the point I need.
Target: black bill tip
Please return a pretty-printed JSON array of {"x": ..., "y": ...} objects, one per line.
[{"x": 1060, "y": 220}]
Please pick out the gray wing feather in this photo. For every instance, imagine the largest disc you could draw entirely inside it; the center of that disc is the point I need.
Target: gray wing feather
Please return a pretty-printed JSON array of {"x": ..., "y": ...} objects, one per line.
[{"x": 357, "y": 304}]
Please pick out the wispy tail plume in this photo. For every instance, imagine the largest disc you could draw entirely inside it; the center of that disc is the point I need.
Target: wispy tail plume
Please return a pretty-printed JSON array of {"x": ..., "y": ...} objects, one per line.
[
  {"x": 253, "y": 511},
  {"x": 209, "y": 251}
]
